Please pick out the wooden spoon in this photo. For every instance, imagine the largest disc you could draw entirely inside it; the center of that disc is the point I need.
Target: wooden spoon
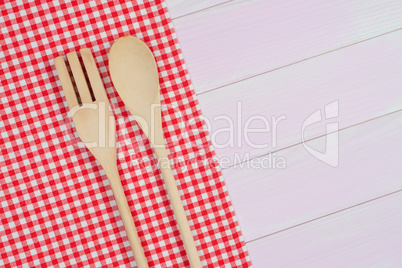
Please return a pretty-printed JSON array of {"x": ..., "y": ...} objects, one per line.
[{"x": 135, "y": 76}]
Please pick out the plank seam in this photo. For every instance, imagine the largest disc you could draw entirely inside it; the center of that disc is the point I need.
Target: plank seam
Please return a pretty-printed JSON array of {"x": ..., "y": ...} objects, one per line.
[
  {"x": 326, "y": 215},
  {"x": 320, "y": 136},
  {"x": 296, "y": 62}
]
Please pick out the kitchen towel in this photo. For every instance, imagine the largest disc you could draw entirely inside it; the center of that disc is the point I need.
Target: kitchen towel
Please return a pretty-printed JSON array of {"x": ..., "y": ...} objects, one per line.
[{"x": 56, "y": 205}]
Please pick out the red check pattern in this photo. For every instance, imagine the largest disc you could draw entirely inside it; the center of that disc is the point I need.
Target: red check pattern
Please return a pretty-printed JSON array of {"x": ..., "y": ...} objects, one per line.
[{"x": 56, "y": 205}]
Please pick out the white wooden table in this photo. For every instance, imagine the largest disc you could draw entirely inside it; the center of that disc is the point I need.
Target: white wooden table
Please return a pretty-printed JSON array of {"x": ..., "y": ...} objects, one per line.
[{"x": 293, "y": 58}]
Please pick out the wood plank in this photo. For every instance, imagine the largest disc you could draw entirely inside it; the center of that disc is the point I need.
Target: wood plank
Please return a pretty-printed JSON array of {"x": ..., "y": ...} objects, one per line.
[
  {"x": 240, "y": 39},
  {"x": 178, "y": 8},
  {"x": 369, "y": 235},
  {"x": 267, "y": 200},
  {"x": 364, "y": 78}
]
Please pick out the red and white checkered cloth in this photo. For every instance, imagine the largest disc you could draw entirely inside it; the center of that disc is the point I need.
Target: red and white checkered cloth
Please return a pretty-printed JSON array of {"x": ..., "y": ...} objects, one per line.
[{"x": 56, "y": 205}]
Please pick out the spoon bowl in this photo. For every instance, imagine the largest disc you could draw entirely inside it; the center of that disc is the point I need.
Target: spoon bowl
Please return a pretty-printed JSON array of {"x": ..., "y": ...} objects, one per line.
[{"x": 135, "y": 75}]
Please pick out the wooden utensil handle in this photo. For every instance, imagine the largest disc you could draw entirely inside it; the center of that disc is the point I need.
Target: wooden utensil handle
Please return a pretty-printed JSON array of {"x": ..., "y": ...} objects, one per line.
[
  {"x": 178, "y": 208},
  {"x": 127, "y": 218}
]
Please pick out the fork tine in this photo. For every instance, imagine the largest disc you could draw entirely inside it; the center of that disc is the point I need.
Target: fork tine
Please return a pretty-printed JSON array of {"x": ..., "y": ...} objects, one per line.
[
  {"x": 66, "y": 83},
  {"x": 79, "y": 77},
  {"x": 93, "y": 74}
]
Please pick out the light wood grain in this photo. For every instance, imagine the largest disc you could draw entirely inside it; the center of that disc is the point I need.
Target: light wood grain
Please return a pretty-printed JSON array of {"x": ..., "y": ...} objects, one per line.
[
  {"x": 365, "y": 79},
  {"x": 282, "y": 58},
  {"x": 179, "y": 8},
  {"x": 369, "y": 166},
  {"x": 240, "y": 39},
  {"x": 369, "y": 235}
]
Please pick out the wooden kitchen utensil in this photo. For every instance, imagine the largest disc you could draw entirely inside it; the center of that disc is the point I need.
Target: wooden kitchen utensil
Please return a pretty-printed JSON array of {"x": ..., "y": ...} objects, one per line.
[
  {"x": 95, "y": 126},
  {"x": 135, "y": 76}
]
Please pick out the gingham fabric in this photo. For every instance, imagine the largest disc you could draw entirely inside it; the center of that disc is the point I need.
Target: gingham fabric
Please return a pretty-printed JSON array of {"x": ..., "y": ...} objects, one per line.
[{"x": 56, "y": 205}]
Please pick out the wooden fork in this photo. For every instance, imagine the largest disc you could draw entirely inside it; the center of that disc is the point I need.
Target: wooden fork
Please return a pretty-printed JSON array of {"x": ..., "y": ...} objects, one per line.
[{"x": 95, "y": 126}]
